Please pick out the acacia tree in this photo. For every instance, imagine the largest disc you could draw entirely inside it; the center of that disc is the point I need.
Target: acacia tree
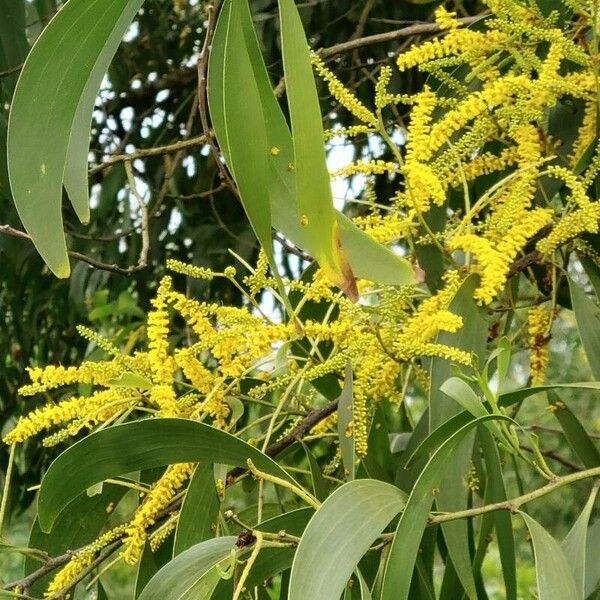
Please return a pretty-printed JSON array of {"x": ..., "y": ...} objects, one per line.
[{"x": 384, "y": 428}]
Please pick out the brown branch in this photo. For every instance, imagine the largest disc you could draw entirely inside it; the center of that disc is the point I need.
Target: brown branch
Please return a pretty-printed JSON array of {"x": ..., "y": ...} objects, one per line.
[
  {"x": 11, "y": 71},
  {"x": 199, "y": 140},
  {"x": 112, "y": 268},
  {"x": 390, "y": 36},
  {"x": 202, "y": 69}
]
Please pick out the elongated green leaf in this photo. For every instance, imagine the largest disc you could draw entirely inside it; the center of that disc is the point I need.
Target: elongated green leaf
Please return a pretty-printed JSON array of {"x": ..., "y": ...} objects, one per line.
[
  {"x": 554, "y": 575},
  {"x": 316, "y": 212},
  {"x": 575, "y": 432},
  {"x": 141, "y": 445},
  {"x": 460, "y": 391},
  {"x": 50, "y": 116},
  {"x": 471, "y": 337},
  {"x": 509, "y": 398},
  {"x": 353, "y": 516},
  {"x": 496, "y": 492},
  {"x": 319, "y": 483},
  {"x": 345, "y": 417},
  {"x": 575, "y": 543},
  {"x": 592, "y": 566},
  {"x": 200, "y": 510},
  {"x": 368, "y": 259},
  {"x": 244, "y": 120},
  {"x": 193, "y": 574},
  {"x": 587, "y": 315},
  {"x": 405, "y": 545}
]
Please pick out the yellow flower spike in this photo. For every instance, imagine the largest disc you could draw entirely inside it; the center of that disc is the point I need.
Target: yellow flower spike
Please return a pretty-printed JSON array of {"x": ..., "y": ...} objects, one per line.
[
  {"x": 587, "y": 132},
  {"x": 538, "y": 334},
  {"x": 51, "y": 377},
  {"x": 344, "y": 96},
  {"x": 494, "y": 258},
  {"x": 80, "y": 561},
  {"x": 365, "y": 167},
  {"x": 190, "y": 270},
  {"x": 157, "y": 332},
  {"x": 445, "y": 19},
  {"x": 88, "y": 409},
  {"x": 155, "y": 500}
]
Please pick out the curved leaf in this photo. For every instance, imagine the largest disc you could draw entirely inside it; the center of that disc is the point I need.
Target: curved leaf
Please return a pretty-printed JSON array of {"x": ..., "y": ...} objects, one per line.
[
  {"x": 353, "y": 516},
  {"x": 193, "y": 574},
  {"x": 368, "y": 259},
  {"x": 49, "y": 121},
  {"x": 405, "y": 545},
  {"x": 316, "y": 213},
  {"x": 509, "y": 398},
  {"x": 575, "y": 543},
  {"x": 141, "y": 445},
  {"x": 199, "y": 511},
  {"x": 471, "y": 337},
  {"x": 554, "y": 576},
  {"x": 587, "y": 315}
]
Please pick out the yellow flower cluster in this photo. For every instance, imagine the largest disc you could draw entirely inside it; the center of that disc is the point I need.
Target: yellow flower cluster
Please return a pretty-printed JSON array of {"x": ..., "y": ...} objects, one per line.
[
  {"x": 494, "y": 259},
  {"x": 366, "y": 167},
  {"x": 343, "y": 95},
  {"x": 445, "y": 19},
  {"x": 431, "y": 317},
  {"x": 80, "y": 561},
  {"x": 538, "y": 331},
  {"x": 156, "y": 500}
]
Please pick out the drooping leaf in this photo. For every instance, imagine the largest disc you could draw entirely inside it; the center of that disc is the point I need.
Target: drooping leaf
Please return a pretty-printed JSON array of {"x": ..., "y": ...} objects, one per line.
[
  {"x": 575, "y": 543},
  {"x": 191, "y": 575},
  {"x": 553, "y": 573},
  {"x": 199, "y": 511},
  {"x": 244, "y": 120},
  {"x": 353, "y": 516},
  {"x": 575, "y": 432},
  {"x": 345, "y": 417},
  {"x": 316, "y": 213},
  {"x": 368, "y": 259},
  {"x": 50, "y": 117},
  {"x": 407, "y": 538},
  {"x": 471, "y": 337},
  {"x": 140, "y": 445},
  {"x": 496, "y": 492},
  {"x": 587, "y": 315}
]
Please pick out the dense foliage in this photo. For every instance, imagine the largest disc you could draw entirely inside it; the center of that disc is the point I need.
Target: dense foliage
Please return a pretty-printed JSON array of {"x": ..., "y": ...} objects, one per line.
[{"x": 397, "y": 418}]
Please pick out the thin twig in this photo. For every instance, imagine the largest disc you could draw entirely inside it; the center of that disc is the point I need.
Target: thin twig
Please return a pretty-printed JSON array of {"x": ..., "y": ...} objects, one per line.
[
  {"x": 390, "y": 36},
  {"x": 193, "y": 142},
  {"x": 517, "y": 502},
  {"x": 143, "y": 259}
]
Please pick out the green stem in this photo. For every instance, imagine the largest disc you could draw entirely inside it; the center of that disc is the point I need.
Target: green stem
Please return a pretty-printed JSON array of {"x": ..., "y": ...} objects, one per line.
[
  {"x": 517, "y": 502},
  {"x": 5, "y": 493}
]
